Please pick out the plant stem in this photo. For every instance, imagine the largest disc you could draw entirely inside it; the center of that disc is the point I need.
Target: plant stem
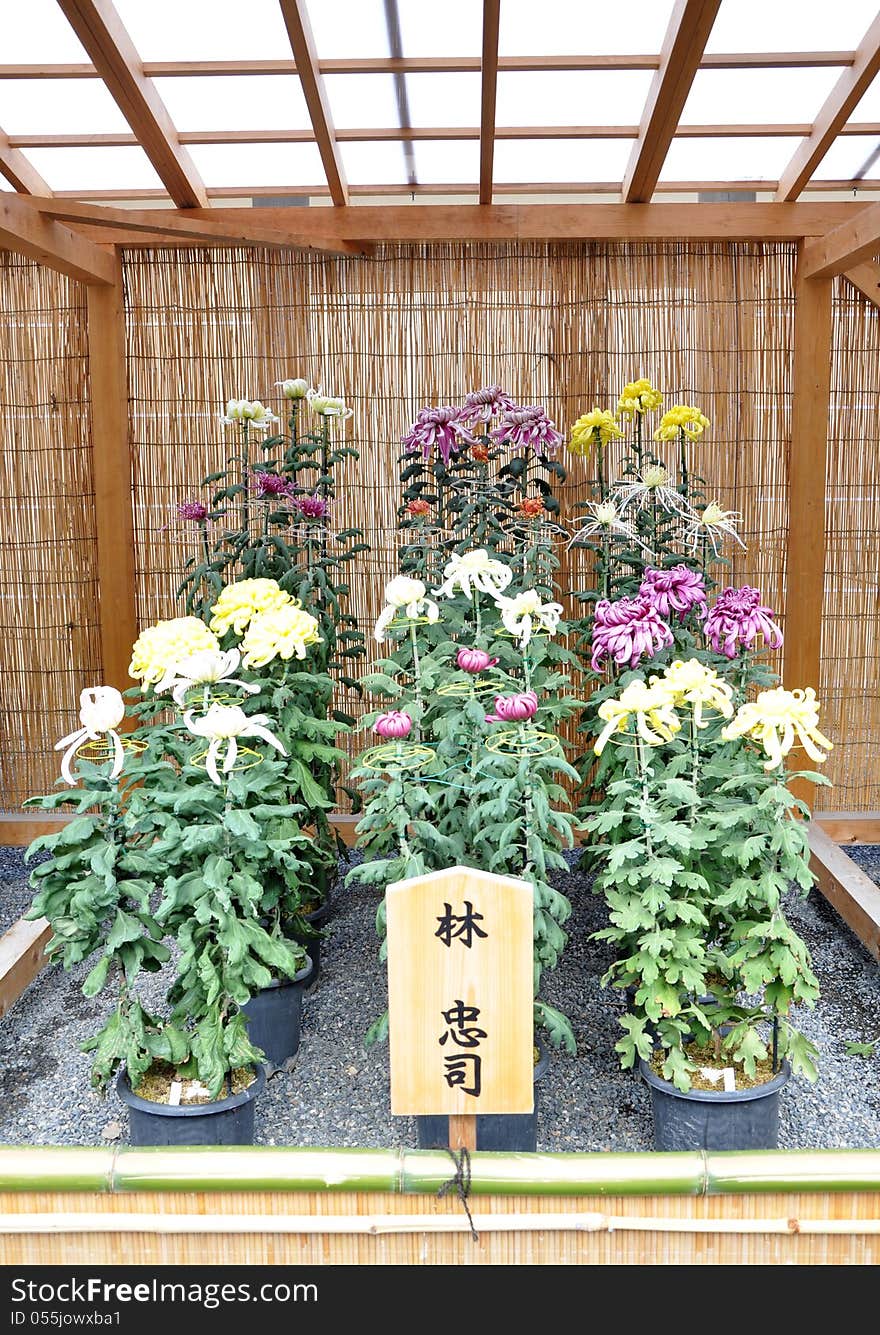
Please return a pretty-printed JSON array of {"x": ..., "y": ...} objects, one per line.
[
  {"x": 683, "y": 481},
  {"x": 245, "y": 479},
  {"x": 642, "y": 764},
  {"x": 417, "y": 675}
]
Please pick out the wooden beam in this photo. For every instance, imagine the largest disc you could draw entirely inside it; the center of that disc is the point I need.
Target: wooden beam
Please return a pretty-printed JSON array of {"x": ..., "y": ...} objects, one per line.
[
  {"x": 22, "y": 956},
  {"x": 846, "y": 246},
  {"x": 303, "y": 44},
  {"x": 100, "y": 29},
  {"x": 20, "y": 174},
  {"x": 488, "y": 92},
  {"x": 833, "y": 115},
  {"x": 866, "y": 277},
  {"x": 850, "y": 827},
  {"x": 25, "y": 232},
  {"x": 683, "y": 46},
  {"x": 111, "y": 456},
  {"x": 187, "y": 229},
  {"x": 852, "y": 893},
  {"x": 808, "y": 452}
]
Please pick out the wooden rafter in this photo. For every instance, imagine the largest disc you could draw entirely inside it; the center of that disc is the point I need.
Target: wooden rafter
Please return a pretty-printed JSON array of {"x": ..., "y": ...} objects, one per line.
[
  {"x": 100, "y": 29},
  {"x": 866, "y": 277},
  {"x": 488, "y": 94},
  {"x": 24, "y": 231},
  {"x": 836, "y": 111},
  {"x": 18, "y": 171},
  {"x": 303, "y": 45},
  {"x": 683, "y": 46},
  {"x": 169, "y": 69},
  {"x": 850, "y": 244},
  {"x": 251, "y": 229}
]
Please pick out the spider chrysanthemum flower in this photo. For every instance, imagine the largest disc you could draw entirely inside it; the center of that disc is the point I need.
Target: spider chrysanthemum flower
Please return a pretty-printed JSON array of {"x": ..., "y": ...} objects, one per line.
[
  {"x": 682, "y": 417},
  {"x": 599, "y": 426},
  {"x": 325, "y": 405},
  {"x": 525, "y": 613},
  {"x": 311, "y": 507},
  {"x": 712, "y": 525},
  {"x": 208, "y": 667},
  {"x": 270, "y": 484},
  {"x": 639, "y": 396},
  {"x": 161, "y": 647},
  {"x": 193, "y": 512},
  {"x": 694, "y": 684},
  {"x": 528, "y": 427},
  {"x": 776, "y": 720},
  {"x": 482, "y": 405},
  {"x": 239, "y": 603},
  {"x": 604, "y": 520},
  {"x": 474, "y": 572},
  {"x": 650, "y": 708},
  {"x": 442, "y": 429},
  {"x": 101, "y": 710},
  {"x": 626, "y": 631},
  {"x": 738, "y": 619},
  {"x": 222, "y": 726},
  {"x": 654, "y": 485},
  {"x": 281, "y": 632},
  {"x": 409, "y": 596}
]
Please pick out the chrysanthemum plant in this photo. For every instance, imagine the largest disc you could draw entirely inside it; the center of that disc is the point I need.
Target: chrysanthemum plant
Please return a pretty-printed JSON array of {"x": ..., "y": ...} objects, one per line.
[
  {"x": 692, "y": 823},
  {"x": 270, "y": 517}
]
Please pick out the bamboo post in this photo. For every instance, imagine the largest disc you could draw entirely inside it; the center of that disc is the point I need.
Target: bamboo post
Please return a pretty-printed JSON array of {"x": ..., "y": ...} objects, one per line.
[
  {"x": 805, "y": 556},
  {"x": 113, "y": 478}
]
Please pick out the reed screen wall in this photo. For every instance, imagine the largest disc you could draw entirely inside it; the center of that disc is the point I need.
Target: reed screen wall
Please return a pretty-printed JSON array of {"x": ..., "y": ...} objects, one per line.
[{"x": 566, "y": 325}]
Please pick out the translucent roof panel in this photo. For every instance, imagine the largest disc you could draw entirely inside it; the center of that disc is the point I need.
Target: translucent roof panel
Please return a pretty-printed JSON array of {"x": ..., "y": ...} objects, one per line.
[
  {"x": 374, "y": 163},
  {"x": 735, "y": 159},
  {"x": 346, "y": 28},
  {"x": 852, "y": 157},
  {"x": 448, "y": 162},
  {"x": 560, "y": 160},
  {"x": 54, "y": 106},
  {"x": 37, "y": 33},
  {"x": 570, "y": 97},
  {"x": 561, "y": 28},
  {"x": 443, "y": 99},
  {"x": 235, "y": 102},
  {"x": 795, "y": 25},
  {"x": 95, "y": 168},
  {"x": 869, "y": 107},
  {"x": 205, "y": 29},
  {"x": 358, "y": 101},
  {"x": 287, "y": 166},
  {"x": 755, "y": 97},
  {"x": 453, "y": 28}
]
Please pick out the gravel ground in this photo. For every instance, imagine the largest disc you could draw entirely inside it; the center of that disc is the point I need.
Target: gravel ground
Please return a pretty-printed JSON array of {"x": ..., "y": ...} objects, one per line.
[
  {"x": 338, "y": 1093},
  {"x": 868, "y": 858}
]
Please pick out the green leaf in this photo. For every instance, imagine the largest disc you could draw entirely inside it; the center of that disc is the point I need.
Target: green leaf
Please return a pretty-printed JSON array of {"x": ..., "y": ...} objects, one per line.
[{"x": 97, "y": 977}]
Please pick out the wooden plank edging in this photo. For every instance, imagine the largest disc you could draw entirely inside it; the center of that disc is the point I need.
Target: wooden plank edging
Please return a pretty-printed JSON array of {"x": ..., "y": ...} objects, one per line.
[{"x": 850, "y": 890}]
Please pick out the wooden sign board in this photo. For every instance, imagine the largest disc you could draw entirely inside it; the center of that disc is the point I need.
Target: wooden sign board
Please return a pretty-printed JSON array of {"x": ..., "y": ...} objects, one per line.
[{"x": 460, "y": 996}]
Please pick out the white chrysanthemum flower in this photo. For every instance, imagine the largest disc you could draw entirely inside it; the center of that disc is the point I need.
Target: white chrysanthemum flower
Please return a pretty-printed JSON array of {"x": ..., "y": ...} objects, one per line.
[
  {"x": 325, "y": 405},
  {"x": 293, "y": 389},
  {"x": 654, "y": 485},
  {"x": 101, "y": 710},
  {"x": 473, "y": 572},
  {"x": 226, "y": 724},
  {"x": 409, "y": 595},
  {"x": 712, "y": 525},
  {"x": 524, "y": 613},
  {"x": 605, "y": 520},
  {"x": 208, "y": 667},
  {"x": 248, "y": 412}
]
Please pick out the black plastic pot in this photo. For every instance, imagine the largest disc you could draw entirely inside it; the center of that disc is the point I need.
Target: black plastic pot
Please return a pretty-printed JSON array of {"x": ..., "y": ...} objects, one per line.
[
  {"x": 274, "y": 1018},
  {"x": 702, "y": 1119},
  {"x": 316, "y": 920},
  {"x": 229, "y": 1121},
  {"x": 514, "y": 1132}
]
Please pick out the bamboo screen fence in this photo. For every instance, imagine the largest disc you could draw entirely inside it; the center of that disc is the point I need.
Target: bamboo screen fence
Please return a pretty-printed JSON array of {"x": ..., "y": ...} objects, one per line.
[{"x": 566, "y": 325}]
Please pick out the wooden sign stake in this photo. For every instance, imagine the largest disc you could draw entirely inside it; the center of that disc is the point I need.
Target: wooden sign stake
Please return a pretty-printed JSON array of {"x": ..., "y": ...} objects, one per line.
[{"x": 462, "y": 1131}]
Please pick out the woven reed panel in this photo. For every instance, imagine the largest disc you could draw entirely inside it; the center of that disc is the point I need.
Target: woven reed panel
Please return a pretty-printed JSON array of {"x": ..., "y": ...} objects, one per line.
[{"x": 49, "y": 642}]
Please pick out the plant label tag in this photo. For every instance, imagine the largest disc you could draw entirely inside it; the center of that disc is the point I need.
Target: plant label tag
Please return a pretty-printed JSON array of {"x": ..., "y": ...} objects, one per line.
[
  {"x": 174, "y": 1094},
  {"x": 729, "y": 1080},
  {"x": 709, "y": 1074}
]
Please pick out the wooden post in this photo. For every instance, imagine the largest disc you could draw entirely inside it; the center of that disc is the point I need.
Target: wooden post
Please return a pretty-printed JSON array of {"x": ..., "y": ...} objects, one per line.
[
  {"x": 113, "y": 480},
  {"x": 462, "y": 1131}
]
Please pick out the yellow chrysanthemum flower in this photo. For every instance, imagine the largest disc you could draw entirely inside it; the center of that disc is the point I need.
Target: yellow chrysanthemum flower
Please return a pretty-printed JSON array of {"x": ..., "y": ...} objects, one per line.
[
  {"x": 694, "y": 684},
  {"x": 777, "y": 719},
  {"x": 652, "y": 707},
  {"x": 239, "y": 603},
  {"x": 282, "y": 632},
  {"x": 681, "y": 417},
  {"x": 166, "y": 644},
  {"x": 600, "y": 424},
  {"x": 639, "y": 396}
]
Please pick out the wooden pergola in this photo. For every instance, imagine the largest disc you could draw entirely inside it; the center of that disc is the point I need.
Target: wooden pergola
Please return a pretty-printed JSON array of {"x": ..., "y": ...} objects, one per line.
[{"x": 80, "y": 232}]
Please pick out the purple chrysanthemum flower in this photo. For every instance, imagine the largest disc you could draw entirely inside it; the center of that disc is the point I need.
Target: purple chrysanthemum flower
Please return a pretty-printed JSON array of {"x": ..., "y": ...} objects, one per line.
[
  {"x": 192, "y": 511},
  {"x": 440, "y": 428},
  {"x": 627, "y": 631},
  {"x": 737, "y": 619},
  {"x": 311, "y": 507},
  {"x": 484, "y": 404},
  {"x": 527, "y": 427},
  {"x": 680, "y": 590},
  {"x": 270, "y": 484}
]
